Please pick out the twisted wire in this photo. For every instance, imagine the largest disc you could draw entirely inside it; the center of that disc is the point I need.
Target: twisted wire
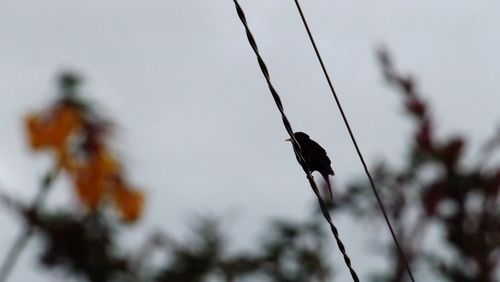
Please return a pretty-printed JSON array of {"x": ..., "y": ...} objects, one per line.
[
  {"x": 358, "y": 150},
  {"x": 296, "y": 146}
]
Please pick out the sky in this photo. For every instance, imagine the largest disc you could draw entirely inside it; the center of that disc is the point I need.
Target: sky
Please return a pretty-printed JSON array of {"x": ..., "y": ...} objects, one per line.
[{"x": 198, "y": 128}]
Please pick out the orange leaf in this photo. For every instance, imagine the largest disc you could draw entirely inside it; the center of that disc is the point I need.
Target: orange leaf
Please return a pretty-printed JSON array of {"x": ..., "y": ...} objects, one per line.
[
  {"x": 54, "y": 129},
  {"x": 35, "y": 134},
  {"x": 95, "y": 178},
  {"x": 130, "y": 203},
  {"x": 90, "y": 190},
  {"x": 65, "y": 119}
]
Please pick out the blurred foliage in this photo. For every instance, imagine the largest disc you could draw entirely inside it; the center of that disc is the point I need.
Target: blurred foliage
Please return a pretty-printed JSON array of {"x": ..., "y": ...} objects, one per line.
[
  {"x": 77, "y": 135},
  {"x": 291, "y": 252},
  {"x": 83, "y": 245},
  {"x": 434, "y": 188}
]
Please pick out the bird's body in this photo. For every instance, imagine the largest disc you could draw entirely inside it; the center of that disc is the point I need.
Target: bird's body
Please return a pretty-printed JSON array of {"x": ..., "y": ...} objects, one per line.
[{"x": 315, "y": 157}]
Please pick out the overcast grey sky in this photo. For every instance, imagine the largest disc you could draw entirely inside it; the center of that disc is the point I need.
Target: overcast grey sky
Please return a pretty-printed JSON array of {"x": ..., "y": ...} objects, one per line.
[{"x": 199, "y": 130}]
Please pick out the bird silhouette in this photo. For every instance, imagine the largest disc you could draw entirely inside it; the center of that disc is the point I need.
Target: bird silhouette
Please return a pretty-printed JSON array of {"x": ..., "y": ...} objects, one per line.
[{"x": 315, "y": 157}]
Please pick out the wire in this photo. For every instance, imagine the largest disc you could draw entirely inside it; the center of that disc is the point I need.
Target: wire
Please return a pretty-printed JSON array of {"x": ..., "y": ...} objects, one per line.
[
  {"x": 346, "y": 122},
  {"x": 296, "y": 146}
]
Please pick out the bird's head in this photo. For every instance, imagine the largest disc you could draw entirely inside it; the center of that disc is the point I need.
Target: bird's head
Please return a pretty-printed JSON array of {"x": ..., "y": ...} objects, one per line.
[{"x": 299, "y": 136}]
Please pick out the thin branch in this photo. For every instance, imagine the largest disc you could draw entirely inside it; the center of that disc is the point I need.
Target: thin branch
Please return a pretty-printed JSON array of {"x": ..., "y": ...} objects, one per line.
[{"x": 21, "y": 241}]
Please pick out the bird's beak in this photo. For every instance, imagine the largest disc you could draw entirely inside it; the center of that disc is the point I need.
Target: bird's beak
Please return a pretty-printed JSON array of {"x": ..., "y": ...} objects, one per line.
[{"x": 289, "y": 139}]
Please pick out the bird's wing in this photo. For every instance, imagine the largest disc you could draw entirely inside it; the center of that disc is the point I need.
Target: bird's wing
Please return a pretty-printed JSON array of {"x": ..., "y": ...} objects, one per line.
[{"x": 321, "y": 162}]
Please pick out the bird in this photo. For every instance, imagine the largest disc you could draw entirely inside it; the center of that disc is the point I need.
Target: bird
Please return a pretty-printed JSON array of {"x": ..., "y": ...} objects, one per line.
[{"x": 315, "y": 158}]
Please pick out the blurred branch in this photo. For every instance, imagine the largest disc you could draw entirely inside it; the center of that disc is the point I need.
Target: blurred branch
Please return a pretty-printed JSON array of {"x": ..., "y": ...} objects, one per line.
[{"x": 19, "y": 244}]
